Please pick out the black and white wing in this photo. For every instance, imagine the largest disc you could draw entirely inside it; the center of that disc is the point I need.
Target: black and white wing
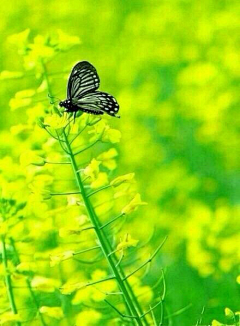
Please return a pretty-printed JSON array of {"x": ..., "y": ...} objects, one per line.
[
  {"x": 97, "y": 103},
  {"x": 83, "y": 79}
]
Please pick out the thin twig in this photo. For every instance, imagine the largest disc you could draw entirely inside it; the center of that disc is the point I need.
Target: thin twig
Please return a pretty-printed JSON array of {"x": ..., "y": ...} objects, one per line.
[
  {"x": 98, "y": 190},
  {"x": 75, "y": 137},
  {"x": 113, "y": 220},
  {"x": 147, "y": 261},
  {"x": 86, "y": 147},
  {"x": 28, "y": 284},
  {"x": 178, "y": 312},
  {"x": 65, "y": 193},
  {"x": 8, "y": 280},
  {"x": 57, "y": 162},
  {"x": 119, "y": 312}
]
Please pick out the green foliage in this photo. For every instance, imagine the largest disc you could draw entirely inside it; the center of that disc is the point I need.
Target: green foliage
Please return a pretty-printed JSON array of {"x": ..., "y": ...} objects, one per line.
[
  {"x": 174, "y": 67},
  {"x": 49, "y": 236}
]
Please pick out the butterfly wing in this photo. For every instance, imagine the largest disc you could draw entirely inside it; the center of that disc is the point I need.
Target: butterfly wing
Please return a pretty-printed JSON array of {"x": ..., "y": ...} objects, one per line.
[
  {"x": 97, "y": 103},
  {"x": 83, "y": 79}
]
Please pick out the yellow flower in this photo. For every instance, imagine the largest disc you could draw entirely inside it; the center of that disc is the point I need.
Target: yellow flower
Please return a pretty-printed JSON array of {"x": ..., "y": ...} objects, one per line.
[
  {"x": 44, "y": 284},
  {"x": 97, "y": 293},
  {"x": 82, "y": 219},
  {"x": 55, "y": 121},
  {"x": 66, "y": 232},
  {"x": 107, "y": 134},
  {"x": 40, "y": 194},
  {"x": 98, "y": 274},
  {"x": 145, "y": 293},
  {"x": 39, "y": 49},
  {"x": 133, "y": 205},
  {"x": 26, "y": 267},
  {"x": 5, "y": 74},
  {"x": 127, "y": 242},
  {"x": 98, "y": 128},
  {"x": 41, "y": 181},
  {"x": 20, "y": 129},
  {"x": 16, "y": 103},
  {"x": 229, "y": 313},
  {"x": 54, "y": 312},
  {"x": 111, "y": 135},
  {"x": 216, "y": 323},
  {"x": 97, "y": 178},
  {"x": 65, "y": 41},
  {"x": 30, "y": 157},
  {"x": 134, "y": 281},
  {"x": 20, "y": 39},
  {"x": 21, "y": 99},
  {"x": 74, "y": 128},
  {"x": 69, "y": 288},
  {"x": 42, "y": 87},
  {"x": 74, "y": 229},
  {"x": 83, "y": 295},
  {"x": 3, "y": 228},
  {"x": 7, "y": 317},
  {"x": 101, "y": 290},
  {"x": 26, "y": 93},
  {"x": 72, "y": 200},
  {"x": 34, "y": 113},
  {"x": 92, "y": 170},
  {"x": 88, "y": 318},
  {"x": 100, "y": 181},
  {"x": 9, "y": 169},
  {"x": 107, "y": 158},
  {"x": 56, "y": 259},
  {"x": 126, "y": 178}
]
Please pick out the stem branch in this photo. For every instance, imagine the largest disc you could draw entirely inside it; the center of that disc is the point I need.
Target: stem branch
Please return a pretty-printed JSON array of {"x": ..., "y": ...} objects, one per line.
[
  {"x": 8, "y": 280},
  {"x": 103, "y": 239}
]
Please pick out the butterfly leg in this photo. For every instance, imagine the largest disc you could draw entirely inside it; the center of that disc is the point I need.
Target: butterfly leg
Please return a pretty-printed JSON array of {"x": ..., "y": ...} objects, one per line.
[
  {"x": 51, "y": 99},
  {"x": 74, "y": 116}
]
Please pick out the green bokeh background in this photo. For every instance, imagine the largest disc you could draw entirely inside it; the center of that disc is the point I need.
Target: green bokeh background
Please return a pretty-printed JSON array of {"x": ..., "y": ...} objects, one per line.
[{"x": 174, "y": 68}]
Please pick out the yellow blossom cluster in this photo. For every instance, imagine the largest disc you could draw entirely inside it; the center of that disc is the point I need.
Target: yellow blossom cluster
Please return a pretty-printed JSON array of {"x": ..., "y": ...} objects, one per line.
[
  {"x": 173, "y": 66},
  {"x": 47, "y": 228}
]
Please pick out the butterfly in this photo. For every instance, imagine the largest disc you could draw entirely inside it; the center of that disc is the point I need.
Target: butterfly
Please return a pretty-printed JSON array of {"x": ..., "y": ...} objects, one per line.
[{"x": 82, "y": 94}]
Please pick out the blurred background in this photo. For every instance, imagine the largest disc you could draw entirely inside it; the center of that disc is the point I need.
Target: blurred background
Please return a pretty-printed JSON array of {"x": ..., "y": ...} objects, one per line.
[{"x": 174, "y": 68}]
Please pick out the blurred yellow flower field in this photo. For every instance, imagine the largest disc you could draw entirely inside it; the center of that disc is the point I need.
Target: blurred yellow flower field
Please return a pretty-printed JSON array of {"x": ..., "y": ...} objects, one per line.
[{"x": 130, "y": 221}]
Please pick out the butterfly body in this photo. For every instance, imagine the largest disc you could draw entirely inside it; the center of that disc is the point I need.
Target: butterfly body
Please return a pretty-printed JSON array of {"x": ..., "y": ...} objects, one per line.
[
  {"x": 68, "y": 105},
  {"x": 82, "y": 94}
]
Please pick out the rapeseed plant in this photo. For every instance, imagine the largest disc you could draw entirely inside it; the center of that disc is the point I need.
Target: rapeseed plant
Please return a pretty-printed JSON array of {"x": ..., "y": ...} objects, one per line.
[
  {"x": 232, "y": 318},
  {"x": 174, "y": 66},
  {"x": 68, "y": 256}
]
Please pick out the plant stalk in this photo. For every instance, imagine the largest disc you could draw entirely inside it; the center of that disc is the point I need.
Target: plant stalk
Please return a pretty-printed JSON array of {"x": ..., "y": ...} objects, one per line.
[
  {"x": 103, "y": 239},
  {"x": 131, "y": 302},
  {"x": 8, "y": 280},
  {"x": 28, "y": 284}
]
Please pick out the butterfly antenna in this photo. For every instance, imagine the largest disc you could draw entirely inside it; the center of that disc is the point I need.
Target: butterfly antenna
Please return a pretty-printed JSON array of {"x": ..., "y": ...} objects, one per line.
[{"x": 53, "y": 97}]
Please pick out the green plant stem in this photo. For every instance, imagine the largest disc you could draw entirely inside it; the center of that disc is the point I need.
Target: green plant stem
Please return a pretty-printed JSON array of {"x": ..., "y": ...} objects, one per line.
[
  {"x": 98, "y": 190},
  {"x": 64, "y": 193},
  {"x": 111, "y": 221},
  {"x": 8, "y": 280},
  {"x": 57, "y": 162},
  {"x": 28, "y": 283},
  {"x": 103, "y": 239},
  {"x": 131, "y": 302},
  {"x": 134, "y": 299}
]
